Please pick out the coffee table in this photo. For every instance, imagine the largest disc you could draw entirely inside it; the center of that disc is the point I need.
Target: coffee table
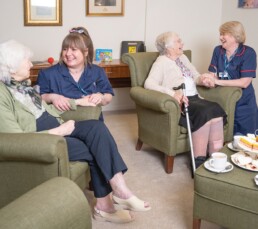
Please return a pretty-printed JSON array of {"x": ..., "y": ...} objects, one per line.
[{"x": 227, "y": 199}]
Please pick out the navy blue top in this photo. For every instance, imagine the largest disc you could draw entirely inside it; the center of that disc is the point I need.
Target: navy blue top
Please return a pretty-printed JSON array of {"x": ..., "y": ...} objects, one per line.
[
  {"x": 58, "y": 80},
  {"x": 243, "y": 64}
]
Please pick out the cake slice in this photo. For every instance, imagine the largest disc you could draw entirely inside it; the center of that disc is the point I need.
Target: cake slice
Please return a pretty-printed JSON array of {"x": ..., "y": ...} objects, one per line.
[{"x": 247, "y": 142}]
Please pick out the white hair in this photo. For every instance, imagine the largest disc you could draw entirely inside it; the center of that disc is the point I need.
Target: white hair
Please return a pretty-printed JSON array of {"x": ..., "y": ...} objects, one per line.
[
  {"x": 12, "y": 53},
  {"x": 164, "y": 41}
]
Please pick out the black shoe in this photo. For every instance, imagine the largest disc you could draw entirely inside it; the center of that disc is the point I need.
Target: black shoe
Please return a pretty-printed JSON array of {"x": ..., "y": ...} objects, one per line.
[{"x": 199, "y": 161}]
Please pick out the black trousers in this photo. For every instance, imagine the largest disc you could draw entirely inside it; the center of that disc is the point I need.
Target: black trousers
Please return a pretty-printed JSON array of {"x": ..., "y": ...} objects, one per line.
[{"x": 91, "y": 141}]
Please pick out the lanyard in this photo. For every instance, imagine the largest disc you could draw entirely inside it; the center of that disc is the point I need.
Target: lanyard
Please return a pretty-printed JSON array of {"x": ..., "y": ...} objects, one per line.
[
  {"x": 226, "y": 61},
  {"x": 82, "y": 90},
  {"x": 225, "y": 75}
]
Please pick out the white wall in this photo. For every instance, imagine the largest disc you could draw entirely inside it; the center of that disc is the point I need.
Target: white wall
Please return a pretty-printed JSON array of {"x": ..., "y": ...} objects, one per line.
[
  {"x": 45, "y": 41},
  {"x": 196, "y": 21},
  {"x": 193, "y": 20}
]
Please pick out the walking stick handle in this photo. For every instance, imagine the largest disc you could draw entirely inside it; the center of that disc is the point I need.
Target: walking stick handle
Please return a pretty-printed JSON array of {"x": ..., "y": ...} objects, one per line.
[{"x": 182, "y": 86}]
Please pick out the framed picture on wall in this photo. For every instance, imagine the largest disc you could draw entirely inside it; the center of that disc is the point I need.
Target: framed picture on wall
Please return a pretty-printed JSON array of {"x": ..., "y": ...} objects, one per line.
[
  {"x": 104, "y": 7},
  {"x": 248, "y": 4},
  {"x": 42, "y": 12}
]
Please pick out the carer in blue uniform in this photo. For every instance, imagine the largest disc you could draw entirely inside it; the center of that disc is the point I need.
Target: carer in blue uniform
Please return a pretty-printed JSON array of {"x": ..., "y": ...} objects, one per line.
[
  {"x": 75, "y": 76},
  {"x": 57, "y": 79},
  {"x": 235, "y": 65}
]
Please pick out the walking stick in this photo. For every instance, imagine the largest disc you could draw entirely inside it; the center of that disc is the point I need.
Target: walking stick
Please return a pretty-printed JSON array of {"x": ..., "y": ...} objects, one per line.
[{"x": 182, "y": 86}]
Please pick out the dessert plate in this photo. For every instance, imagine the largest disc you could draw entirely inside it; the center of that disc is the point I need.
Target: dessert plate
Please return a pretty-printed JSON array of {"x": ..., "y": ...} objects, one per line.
[
  {"x": 245, "y": 148},
  {"x": 245, "y": 161},
  {"x": 212, "y": 169}
]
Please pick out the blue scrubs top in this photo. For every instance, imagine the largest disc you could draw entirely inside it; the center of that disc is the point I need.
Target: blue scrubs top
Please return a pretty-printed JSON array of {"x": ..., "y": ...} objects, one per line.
[
  {"x": 242, "y": 64},
  {"x": 58, "y": 80}
]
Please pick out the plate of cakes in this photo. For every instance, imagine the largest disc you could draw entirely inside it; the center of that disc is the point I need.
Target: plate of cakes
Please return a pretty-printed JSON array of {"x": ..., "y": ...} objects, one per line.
[
  {"x": 246, "y": 160},
  {"x": 248, "y": 143}
]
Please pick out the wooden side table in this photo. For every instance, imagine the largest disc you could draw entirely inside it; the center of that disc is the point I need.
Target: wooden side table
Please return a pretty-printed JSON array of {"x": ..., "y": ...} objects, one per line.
[{"x": 117, "y": 72}]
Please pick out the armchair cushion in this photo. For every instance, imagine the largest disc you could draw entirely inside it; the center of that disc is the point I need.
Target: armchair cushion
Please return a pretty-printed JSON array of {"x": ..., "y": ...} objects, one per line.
[{"x": 57, "y": 203}]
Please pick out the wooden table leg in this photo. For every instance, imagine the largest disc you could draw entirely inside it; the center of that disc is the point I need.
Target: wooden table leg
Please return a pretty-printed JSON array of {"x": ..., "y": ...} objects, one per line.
[{"x": 196, "y": 223}]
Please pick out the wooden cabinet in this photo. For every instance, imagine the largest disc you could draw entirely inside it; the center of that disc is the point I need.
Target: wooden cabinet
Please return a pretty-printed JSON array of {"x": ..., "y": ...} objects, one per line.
[
  {"x": 34, "y": 71},
  {"x": 117, "y": 72}
]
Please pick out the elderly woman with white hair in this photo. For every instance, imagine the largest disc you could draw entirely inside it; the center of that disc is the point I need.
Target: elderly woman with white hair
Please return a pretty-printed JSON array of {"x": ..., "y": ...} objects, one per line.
[
  {"x": 23, "y": 111},
  {"x": 171, "y": 69}
]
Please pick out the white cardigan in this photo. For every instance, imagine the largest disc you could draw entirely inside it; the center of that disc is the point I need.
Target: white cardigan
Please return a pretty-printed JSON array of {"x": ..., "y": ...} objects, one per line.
[{"x": 165, "y": 74}]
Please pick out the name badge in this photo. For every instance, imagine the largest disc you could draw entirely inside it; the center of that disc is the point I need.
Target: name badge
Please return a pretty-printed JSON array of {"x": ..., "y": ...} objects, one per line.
[{"x": 223, "y": 75}]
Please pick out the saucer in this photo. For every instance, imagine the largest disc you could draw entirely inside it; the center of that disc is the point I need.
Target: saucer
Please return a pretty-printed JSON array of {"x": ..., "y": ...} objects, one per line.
[
  {"x": 230, "y": 146},
  {"x": 210, "y": 168}
]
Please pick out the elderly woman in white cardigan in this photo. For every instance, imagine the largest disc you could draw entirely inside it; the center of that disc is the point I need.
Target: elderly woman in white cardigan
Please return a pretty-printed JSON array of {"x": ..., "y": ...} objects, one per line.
[{"x": 171, "y": 69}]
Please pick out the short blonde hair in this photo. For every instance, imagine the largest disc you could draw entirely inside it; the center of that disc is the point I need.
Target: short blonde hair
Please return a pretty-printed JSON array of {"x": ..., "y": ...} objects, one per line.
[
  {"x": 12, "y": 53},
  {"x": 234, "y": 28},
  {"x": 165, "y": 40}
]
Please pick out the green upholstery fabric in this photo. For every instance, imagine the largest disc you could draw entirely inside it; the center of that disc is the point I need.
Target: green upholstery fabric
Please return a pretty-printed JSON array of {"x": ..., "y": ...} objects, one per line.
[
  {"x": 228, "y": 199},
  {"x": 56, "y": 204},
  {"x": 82, "y": 113},
  {"x": 29, "y": 159},
  {"x": 157, "y": 111},
  {"x": 226, "y": 97}
]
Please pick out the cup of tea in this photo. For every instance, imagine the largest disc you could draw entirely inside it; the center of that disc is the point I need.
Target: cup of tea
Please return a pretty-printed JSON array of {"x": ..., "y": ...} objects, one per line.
[{"x": 218, "y": 160}]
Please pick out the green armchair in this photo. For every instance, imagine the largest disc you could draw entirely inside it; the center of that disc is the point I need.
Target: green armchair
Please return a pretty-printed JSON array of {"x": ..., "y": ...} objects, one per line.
[
  {"x": 55, "y": 204},
  {"x": 29, "y": 159},
  {"x": 158, "y": 113}
]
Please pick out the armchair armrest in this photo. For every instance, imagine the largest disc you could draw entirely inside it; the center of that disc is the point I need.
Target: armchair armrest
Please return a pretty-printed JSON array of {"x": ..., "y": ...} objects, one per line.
[
  {"x": 43, "y": 208},
  {"x": 154, "y": 100},
  {"x": 25, "y": 147},
  {"x": 82, "y": 113},
  {"x": 225, "y": 96}
]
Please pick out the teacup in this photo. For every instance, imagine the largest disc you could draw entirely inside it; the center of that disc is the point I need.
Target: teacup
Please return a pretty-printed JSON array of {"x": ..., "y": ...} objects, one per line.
[{"x": 218, "y": 160}]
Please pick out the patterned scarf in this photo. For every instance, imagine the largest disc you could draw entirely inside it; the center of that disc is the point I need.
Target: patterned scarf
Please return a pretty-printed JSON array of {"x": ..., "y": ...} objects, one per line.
[
  {"x": 185, "y": 71},
  {"x": 25, "y": 88}
]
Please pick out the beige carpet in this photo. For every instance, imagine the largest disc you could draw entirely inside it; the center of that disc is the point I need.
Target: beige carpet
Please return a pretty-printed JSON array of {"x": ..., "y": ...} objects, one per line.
[{"x": 171, "y": 196}]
